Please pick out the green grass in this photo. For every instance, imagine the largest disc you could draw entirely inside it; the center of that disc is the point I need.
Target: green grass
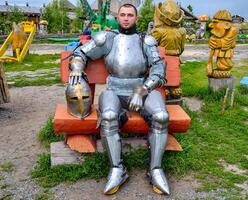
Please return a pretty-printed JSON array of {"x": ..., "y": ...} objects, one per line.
[
  {"x": 33, "y": 62},
  {"x": 7, "y": 166},
  {"x": 212, "y": 138},
  {"x": 36, "y": 82},
  {"x": 47, "y": 135},
  {"x": 45, "y": 195}
]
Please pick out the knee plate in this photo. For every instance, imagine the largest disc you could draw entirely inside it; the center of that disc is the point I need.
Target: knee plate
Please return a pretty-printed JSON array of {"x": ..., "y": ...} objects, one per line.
[
  {"x": 160, "y": 120},
  {"x": 109, "y": 122},
  {"x": 109, "y": 106}
]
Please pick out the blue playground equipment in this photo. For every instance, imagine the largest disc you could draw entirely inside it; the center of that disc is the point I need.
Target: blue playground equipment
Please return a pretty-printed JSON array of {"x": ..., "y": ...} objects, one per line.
[
  {"x": 71, "y": 46},
  {"x": 244, "y": 81}
]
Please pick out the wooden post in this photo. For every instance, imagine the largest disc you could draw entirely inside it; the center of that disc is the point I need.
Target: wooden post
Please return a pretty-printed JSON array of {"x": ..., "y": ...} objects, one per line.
[{"x": 4, "y": 92}]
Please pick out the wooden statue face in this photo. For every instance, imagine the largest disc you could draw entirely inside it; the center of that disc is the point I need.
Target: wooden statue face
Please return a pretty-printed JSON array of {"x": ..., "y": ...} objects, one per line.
[{"x": 219, "y": 27}]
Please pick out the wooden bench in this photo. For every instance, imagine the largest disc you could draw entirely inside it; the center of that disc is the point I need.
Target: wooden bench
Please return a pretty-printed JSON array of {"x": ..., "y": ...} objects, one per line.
[{"x": 79, "y": 133}]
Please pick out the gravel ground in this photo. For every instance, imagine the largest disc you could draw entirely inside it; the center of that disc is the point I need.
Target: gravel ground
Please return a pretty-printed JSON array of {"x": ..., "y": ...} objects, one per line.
[
  {"x": 200, "y": 52},
  {"x": 191, "y": 52},
  {"x": 30, "y": 108}
]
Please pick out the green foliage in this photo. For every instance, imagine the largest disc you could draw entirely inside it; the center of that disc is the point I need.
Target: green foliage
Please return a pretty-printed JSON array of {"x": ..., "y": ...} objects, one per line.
[
  {"x": 3, "y": 25},
  {"x": 15, "y": 15},
  {"x": 7, "y": 166},
  {"x": 146, "y": 14},
  {"x": 56, "y": 15},
  {"x": 77, "y": 23},
  {"x": 33, "y": 62},
  {"x": 45, "y": 195},
  {"x": 208, "y": 33},
  {"x": 94, "y": 166},
  {"x": 214, "y": 136},
  {"x": 47, "y": 135},
  {"x": 190, "y": 8}
]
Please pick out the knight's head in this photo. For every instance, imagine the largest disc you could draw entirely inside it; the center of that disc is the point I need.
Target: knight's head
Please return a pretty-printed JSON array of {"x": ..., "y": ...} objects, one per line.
[
  {"x": 221, "y": 23},
  {"x": 127, "y": 16}
]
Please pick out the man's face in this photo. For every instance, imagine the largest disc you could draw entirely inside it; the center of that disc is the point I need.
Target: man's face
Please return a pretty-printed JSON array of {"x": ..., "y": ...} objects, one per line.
[{"x": 127, "y": 17}]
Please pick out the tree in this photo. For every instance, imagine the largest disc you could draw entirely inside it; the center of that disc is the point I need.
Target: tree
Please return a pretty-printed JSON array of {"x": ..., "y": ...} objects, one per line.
[
  {"x": 15, "y": 15},
  {"x": 145, "y": 15},
  {"x": 78, "y": 22},
  {"x": 56, "y": 15},
  {"x": 190, "y": 8}
]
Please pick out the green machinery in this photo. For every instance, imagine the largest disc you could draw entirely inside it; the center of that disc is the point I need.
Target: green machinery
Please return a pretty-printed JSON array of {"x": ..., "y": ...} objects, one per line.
[{"x": 100, "y": 21}]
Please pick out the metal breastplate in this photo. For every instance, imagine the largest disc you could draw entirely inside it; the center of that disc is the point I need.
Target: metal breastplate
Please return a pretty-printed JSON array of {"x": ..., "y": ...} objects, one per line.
[{"x": 126, "y": 58}]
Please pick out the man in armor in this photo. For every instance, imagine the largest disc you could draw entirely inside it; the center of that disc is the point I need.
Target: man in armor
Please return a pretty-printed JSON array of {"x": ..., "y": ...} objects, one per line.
[{"x": 128, "y": 56}]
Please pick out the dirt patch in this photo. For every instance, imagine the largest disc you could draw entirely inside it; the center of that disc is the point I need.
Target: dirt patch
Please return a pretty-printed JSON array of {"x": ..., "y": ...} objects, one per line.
[
  {"x": 244, "y": 187},
  {"x": 233, "y": 168},
  {"x": 193, "y": 103},
  {"x": 138, "y": 187},
  {"x": 20, "y": 122}
]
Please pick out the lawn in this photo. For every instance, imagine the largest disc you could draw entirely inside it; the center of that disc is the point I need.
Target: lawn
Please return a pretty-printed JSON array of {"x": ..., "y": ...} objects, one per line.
[
  {"x": 34, "y": 70},
  {"x": 213, "y": 142}
]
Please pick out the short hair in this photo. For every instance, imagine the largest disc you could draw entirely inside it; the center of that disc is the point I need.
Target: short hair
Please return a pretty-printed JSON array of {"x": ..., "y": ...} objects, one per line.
[{"x": 128, "y": 5}]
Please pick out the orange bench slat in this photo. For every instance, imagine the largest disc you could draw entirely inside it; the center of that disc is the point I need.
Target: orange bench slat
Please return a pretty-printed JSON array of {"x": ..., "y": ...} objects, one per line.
[
  {"x": 86, "y": 144},
  {"x": 179, "y": 121}
]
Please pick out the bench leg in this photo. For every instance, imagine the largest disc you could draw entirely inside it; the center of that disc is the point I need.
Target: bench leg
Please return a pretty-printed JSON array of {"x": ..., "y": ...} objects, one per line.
[{"x": 81, "y": 143}]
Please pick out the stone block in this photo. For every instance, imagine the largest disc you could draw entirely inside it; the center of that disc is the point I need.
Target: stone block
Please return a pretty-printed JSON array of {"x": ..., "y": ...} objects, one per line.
[
  {"x": 217, "y": 84},
  {"x": 62, "y": 154}
]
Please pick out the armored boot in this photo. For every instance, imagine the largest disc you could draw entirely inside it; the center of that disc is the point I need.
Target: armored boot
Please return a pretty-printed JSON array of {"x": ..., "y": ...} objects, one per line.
[
  {"x": 112, "y": 142},
  {"x": 157, "y": 141}
]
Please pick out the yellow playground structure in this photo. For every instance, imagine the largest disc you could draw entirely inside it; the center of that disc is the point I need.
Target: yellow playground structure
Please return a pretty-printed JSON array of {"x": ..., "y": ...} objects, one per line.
[{"x": 20, "y": 38}]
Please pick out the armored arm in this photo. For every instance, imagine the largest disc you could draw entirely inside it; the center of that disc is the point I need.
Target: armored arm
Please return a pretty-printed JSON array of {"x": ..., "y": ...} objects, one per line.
[
  {"x": 157, "y": 69},
  {"x": 156, "y": 74},
  {"x": 94, "y": 49}
]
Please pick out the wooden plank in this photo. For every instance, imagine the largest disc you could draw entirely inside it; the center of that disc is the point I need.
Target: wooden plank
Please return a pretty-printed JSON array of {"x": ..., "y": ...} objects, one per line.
[
  {"x": 4, "y": 92},
  {"x": 81, "y": 143},
  {"x": 179, "y": 121}
]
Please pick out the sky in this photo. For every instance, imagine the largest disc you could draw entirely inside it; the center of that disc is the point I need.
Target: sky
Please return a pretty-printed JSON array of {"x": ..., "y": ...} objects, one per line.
[{"x": 200, "y": 7}]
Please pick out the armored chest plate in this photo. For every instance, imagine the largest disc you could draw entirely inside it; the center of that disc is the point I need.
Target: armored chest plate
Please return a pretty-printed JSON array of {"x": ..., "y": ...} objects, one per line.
[{"x": 126, "y": 58}]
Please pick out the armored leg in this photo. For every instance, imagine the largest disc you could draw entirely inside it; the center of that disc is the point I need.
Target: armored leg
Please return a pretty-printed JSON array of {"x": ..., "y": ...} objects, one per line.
[
  {"x": 157, "y": 137},
  {"x": 109, "y": 106}
]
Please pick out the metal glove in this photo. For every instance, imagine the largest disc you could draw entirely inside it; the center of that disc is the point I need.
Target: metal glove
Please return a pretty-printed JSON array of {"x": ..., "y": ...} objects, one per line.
[
  {"x": 76, "y": 66},
  {"x": 136, "y": 101}
]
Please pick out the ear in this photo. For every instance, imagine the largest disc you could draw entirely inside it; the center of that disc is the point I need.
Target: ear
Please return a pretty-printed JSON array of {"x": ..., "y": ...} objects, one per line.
[{"x": 227, "y": 25}]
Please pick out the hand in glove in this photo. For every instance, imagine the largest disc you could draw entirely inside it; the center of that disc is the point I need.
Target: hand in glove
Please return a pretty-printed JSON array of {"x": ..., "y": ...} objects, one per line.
[
  {"x": 76, "y": 76},
  {"x": 136, "y": 102},
  {"x": 76, "y": 66}
]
